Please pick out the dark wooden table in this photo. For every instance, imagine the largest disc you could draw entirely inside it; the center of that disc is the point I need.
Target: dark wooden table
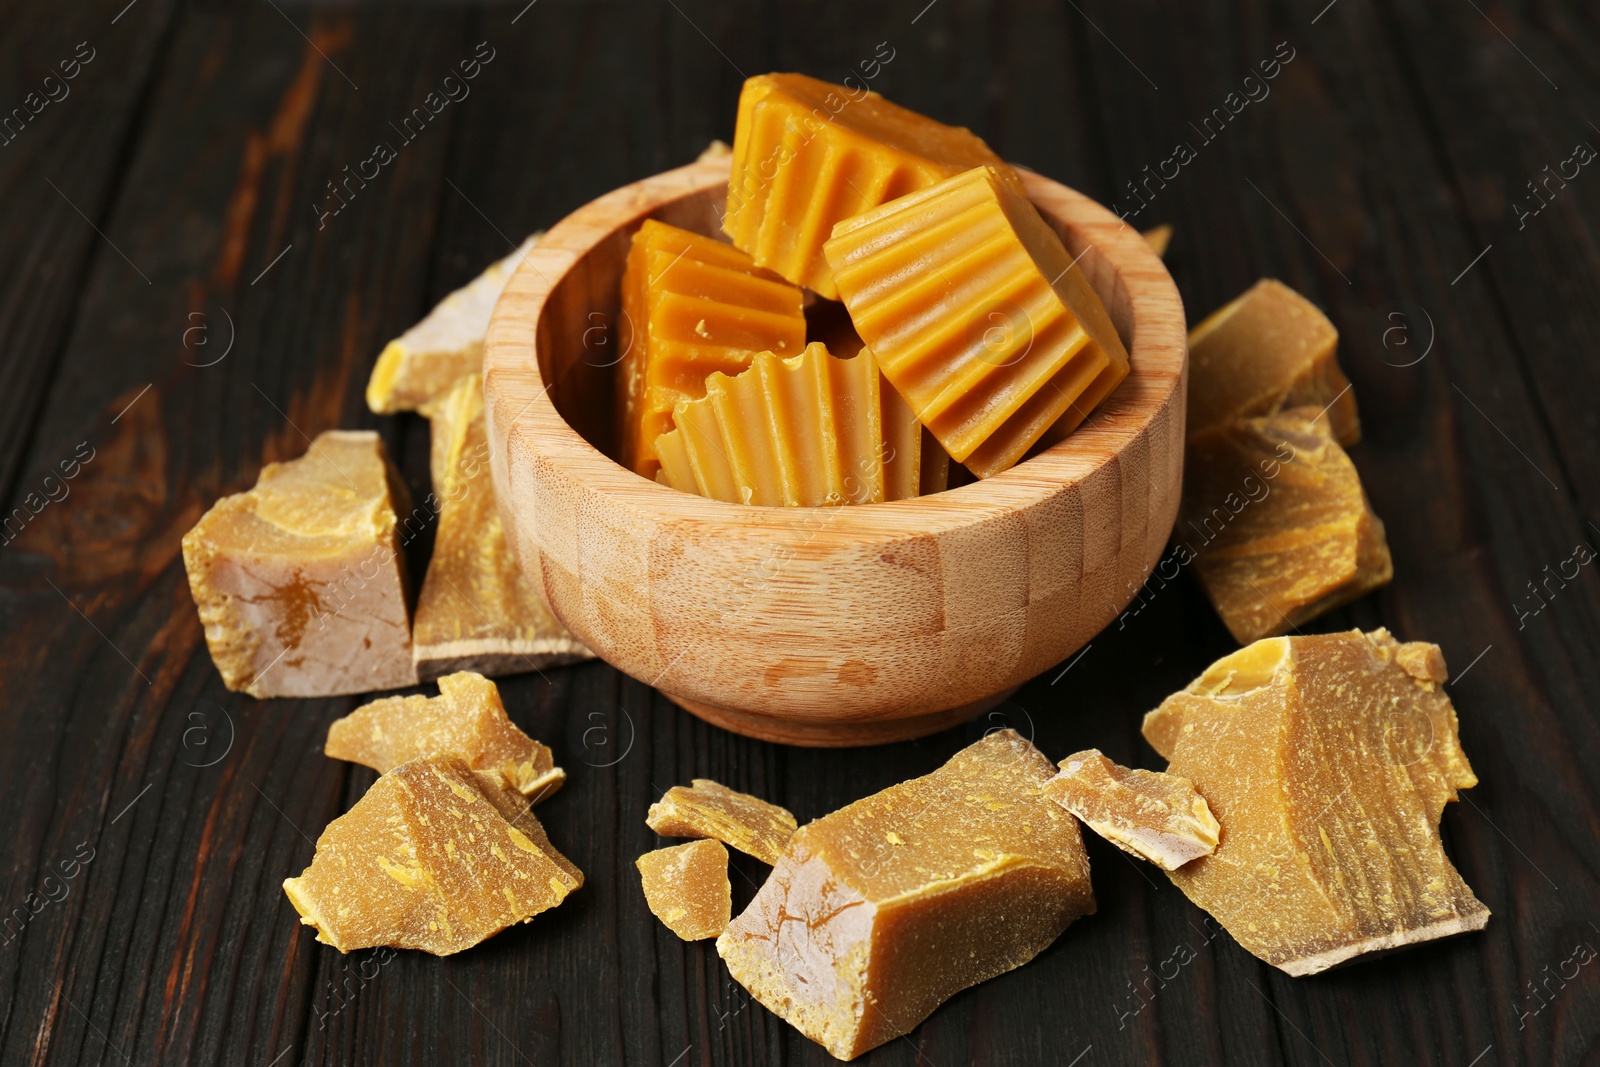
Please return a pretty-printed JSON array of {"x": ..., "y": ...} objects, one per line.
[{"x": 176, "y": 309}]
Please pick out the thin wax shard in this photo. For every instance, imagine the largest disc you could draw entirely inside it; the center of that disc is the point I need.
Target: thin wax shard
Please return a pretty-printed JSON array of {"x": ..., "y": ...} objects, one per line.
[
  {"x": 1268, "y": 350},
  {"x": 427, "y": 360},
  {"x": 978, "y": 316},
  {"x": 883, "y": 910},
  {"x": 1158, "y": 238},
  {"x": 708, "y": 809},
  {"x": 691, "y": 306},
  {"x": 466, "y": 719},
  {"x": 802, "y": 432},
  {"x": 686, "y": 887},
  {"x": 300, "y": 581},
  {"x": 1157, "y": 817},
  {"x": 1282, "y": 531},
  {"x": 1328, "y": 760},
  {"x": 808, "y": 154},
  {"x": 435, "y": 856},
  {"x": 477, "y": 610}
]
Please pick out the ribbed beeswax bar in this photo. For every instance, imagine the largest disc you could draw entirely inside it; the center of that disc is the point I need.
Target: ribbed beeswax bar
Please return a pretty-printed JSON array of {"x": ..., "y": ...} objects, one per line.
[
  {"x": 692, "y": 305},
  {"x": 977, "y": 315}
]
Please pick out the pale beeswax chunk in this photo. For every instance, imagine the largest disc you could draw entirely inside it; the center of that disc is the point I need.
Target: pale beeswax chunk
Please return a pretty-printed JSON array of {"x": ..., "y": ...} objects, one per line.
[
  {"x": 692, "y": 305},
  {"x": 801, "y": 432},
  {"x": 1159, "y": 237},
  {"x": 435, "y": 857},
  {"x": 686, "y": 887},
  {"x": 808, "y": 154},
  {"x": 1157, "y": 817},
  {"x": 977, "y": 315},
  {"x": 428, "y": 359},
  {"x": 707, "y": 809},
  {"x": 466, "y": 719},
  {"x": 1282, "y": 531},
  {"x": 1328, "y": 760},
  {"x": 878, "y": 913},
  {"x": 1267, "y": 350},
  {"x": 300, "y": 582},
  {"x": 477, "y": 610}
]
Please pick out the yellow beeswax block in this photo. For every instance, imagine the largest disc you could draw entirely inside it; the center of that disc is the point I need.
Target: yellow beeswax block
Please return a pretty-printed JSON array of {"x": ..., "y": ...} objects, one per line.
[
  {"x": 802, "y": 432},
  {"x": 808, "y": 154},
  {"x": 1157, "y": 817},
  {"x": 710, "y": 809},
  {"x": 692, "y": 305},
  {"x": 1328, "y": 760},
  {"x": 425, "y": 361},
  {"x": 435, "y": 857},
  {"x": 477, "y": 611},
  {"x": 686, "y": 887},
  {"x": 466, "y": 719},
  {"x": 1281, "y": 529},
  {"x": 977, "y": 315},
  {"x": 1267, "y": 350},
  {"x": 300, "y": 582}
]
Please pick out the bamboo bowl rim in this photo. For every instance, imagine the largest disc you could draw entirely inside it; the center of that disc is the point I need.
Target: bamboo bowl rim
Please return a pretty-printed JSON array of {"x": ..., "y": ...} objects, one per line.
[{"x": 1111, "y": 252}]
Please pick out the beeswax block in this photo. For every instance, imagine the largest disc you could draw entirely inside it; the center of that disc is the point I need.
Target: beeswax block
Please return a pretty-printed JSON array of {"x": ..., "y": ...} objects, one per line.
[
  {"x": 1281, "y": 528},
  {"x": 808, "y": 154},
  {"x": 428, "y": 359},
  {"x": 801, "y": 432},
  {"x": 299, "y": 581},
  {"x": 1157, "y": 817},
  {"x": 877, "y": 914},
  {"x": 466, "y": 719},
  {"x": 1268, "y": 350},
  {"x": 477, "y": 610},
  {"x": 435, "y": 857},
  {"x": 707, "y": 809},
  {"x": 686, "y": 887},
  {"x": 977, "y": 316},
  {"x": 692, "y": 305},
  {"x": 1328, "y": 760}
]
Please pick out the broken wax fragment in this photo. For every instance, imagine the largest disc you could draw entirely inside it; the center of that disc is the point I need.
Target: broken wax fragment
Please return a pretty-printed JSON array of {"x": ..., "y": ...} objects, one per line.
[
  {"x": 977, "y": 315},
  {"x": 477, "y": 610},
  {"x": 1328, "y": 760},
  {"x": 717, "y": 149},
  {"x": 466, "y": 719},
  {"x": 878, "y": 913},
  {"x": 692, "y": 305},
  {"x": 1267, "y": 350},
  {"x": 707, "y": 809},
  {"x": 300, "y": 581},
  {"x": 437, "y": 857},
  {"x": 1280, "y": 528},
  {"x": 1157, "y": 817},
  {"x": 687, "y": 888},
  {"x": 802, "y": 432},
  {"x": 1158, "y": 238},
  {"x": 428, "y": 359},
  {"x": 808, "y": 154}
]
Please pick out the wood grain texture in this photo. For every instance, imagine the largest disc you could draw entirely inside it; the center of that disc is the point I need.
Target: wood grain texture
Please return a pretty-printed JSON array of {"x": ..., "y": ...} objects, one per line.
[
  {"x": 825, "y": 626},
  {"x": 1393, "y": 143}
]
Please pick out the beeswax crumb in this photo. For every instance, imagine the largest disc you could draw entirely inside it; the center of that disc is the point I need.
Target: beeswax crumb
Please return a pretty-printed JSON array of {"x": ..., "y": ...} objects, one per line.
[
  {"x": 1159, "y": 237},
  {"x": 687, "y": 888},
  {"x": 1157, "y": 817},
  {"x": 707, "y": 809}
]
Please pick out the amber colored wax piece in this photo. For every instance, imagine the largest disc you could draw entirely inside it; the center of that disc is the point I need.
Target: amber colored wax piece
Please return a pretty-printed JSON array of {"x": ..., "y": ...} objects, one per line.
[
  {"x": 1268, "y": 350},
  {"x": 300, "y": 582},
  {"x": 707, "y": 809},
  {"x": 802, "y": 432},
  {"x": 1159, "y": 237},
  {"x": 477, "y": 610},
  {"x": 691, "y": 306},
  {"x": 878, "y": 913},
  {"x": 687, "y": 888},
  {"x": 428, "y": 359},
  {"x": 1328, "y": 760},
  {"x": 437, "y": 857},
  {"x": 977, "y": 315},
  {"x": 808, "y": 154},
  {"x": 1280, "y": 527},
  {"x": 1157, "y": 817},
  {"x": 466, "y": 719}
]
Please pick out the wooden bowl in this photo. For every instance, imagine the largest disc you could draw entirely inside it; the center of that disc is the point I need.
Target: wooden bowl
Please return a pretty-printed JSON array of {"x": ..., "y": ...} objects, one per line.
[{"x": 824, "y": 626}]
